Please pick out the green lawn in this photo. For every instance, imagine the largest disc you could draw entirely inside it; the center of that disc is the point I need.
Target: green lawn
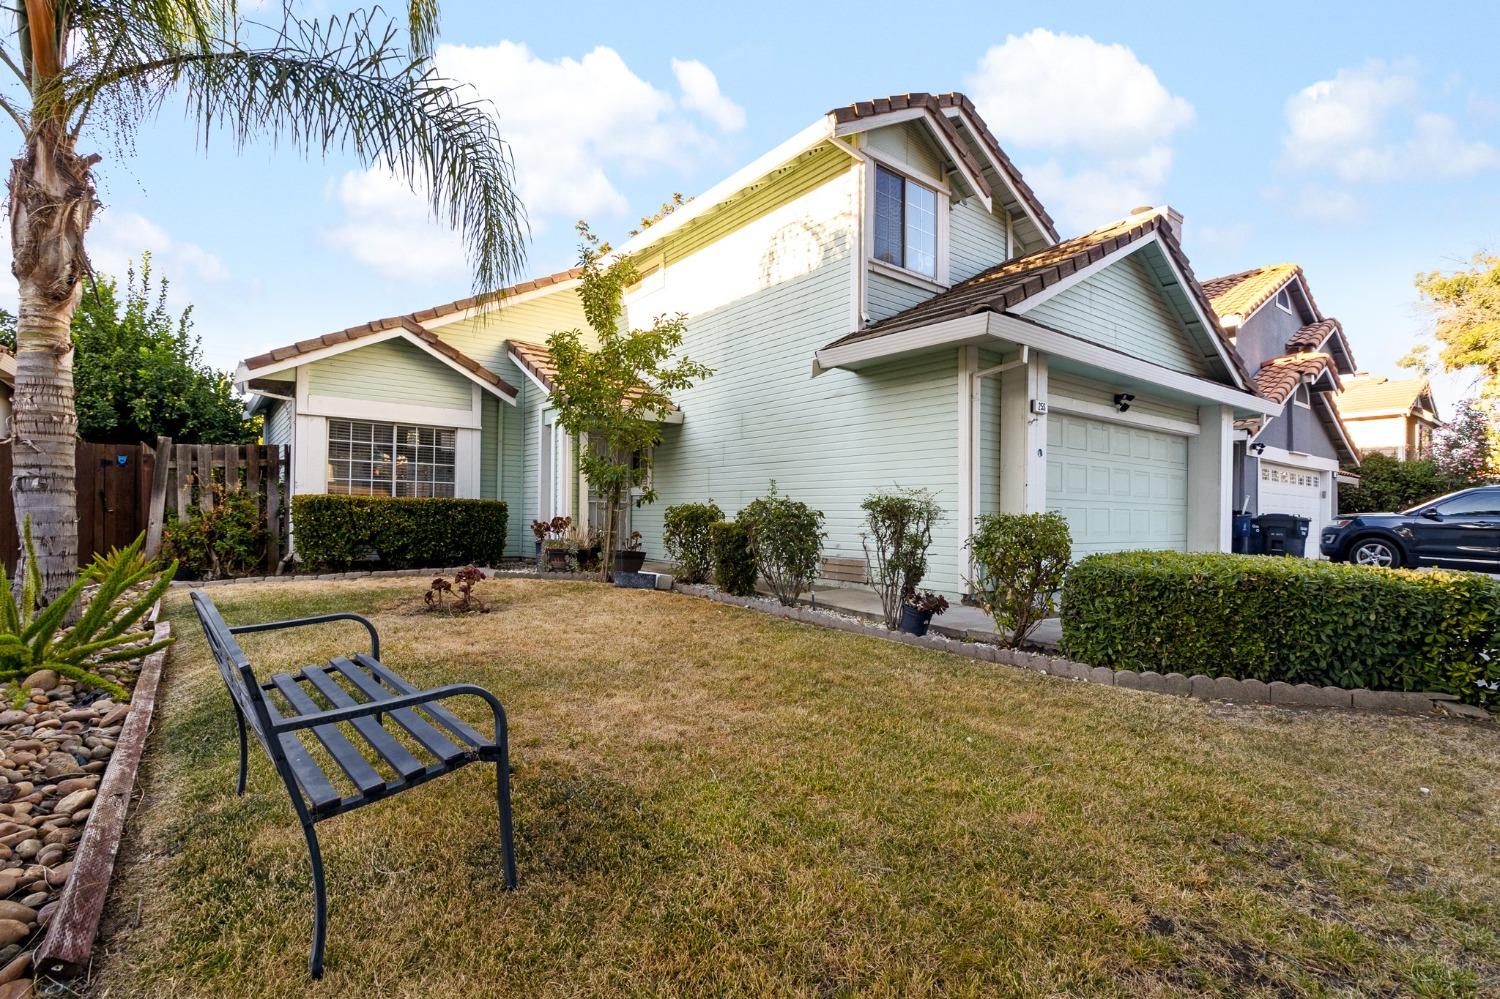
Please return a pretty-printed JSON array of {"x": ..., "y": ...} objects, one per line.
[{"x": 713, "y": 802}]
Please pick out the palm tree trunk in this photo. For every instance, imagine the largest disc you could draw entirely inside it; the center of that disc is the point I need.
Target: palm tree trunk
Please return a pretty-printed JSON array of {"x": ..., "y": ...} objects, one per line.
[{"x": 51, "y": 204}]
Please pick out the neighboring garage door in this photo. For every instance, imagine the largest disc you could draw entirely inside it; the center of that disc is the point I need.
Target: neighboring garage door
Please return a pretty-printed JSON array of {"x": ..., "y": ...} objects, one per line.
[
  {"x": 1120, "y": 487},
  {"x": 1298, "y": 491}
]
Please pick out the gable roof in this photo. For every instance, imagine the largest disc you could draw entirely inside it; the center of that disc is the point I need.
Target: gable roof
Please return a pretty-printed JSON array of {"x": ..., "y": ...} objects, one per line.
[
  {"x": 883, "y": 106},
  {"x": 1239, "y": 295},
  {"x": 535, "y": 360},
  {"x": 410, "y": 326},
  {"x": 1375, "y": 395},
  {"x": 1279, "y": 377},
  {"x": 1313, "y": 335},
  {"x": 1004, "y": 287}
]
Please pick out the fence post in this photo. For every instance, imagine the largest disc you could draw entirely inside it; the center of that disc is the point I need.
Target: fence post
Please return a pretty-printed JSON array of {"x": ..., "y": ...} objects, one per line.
[
  {"x": 156, "y": 508},
  {"x": 275, "y": 482}
]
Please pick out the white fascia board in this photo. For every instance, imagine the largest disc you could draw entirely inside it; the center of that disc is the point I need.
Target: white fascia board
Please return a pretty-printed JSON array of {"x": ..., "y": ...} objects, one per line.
[
  {"x": 1106, "y": 359},
  {"x": 819, "y": 131},
  {"x": 1151, "y": 238},
  {"x": 242, "y": 374},
  {"x": 8, "y": 366},
  {"x": 1298, "y": 459},
  {"x": 516, "y": 360},
  {"x": 957, "y": 112},
  {"x": 975, "y": 184},
  {"x": 879, "y": 348},
  {"x": 1130, "y": 418},
  {"x": 500, "y": 303}
]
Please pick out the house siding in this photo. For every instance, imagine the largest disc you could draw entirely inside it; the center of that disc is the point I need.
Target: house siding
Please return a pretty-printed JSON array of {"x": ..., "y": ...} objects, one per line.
[
  {"x": 976, "y": 240},
  {"x": 389, "y": 371},
  {"x": 907, "y": 145},
  {"x": 490, "y": 421},
  {"x": 1122, "y": 307},
  {"x": 484, "y": 337},
  {"x": 277, "y": 428},
  {"x": 829, "y": 441},
  {"x": 885, "y": 296}
]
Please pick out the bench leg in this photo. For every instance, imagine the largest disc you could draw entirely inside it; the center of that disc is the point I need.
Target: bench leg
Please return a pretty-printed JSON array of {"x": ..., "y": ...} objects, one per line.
[
  {"x": 507, "y": 843},
  {"x": 320, "y": 902},
  {"x": 239, "y": 717}
]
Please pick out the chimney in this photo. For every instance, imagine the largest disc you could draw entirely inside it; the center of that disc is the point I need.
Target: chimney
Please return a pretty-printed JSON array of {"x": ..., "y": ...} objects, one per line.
[{"x": 1174, "y": 221}]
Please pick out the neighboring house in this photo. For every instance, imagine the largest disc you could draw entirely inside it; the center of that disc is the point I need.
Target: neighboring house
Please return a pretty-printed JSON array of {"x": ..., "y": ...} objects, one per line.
[
  {"x": 1389, "y": 416},
  {"x": 446, "y": 401},
  {"x": 885, "y": 302},
  {"x": 7, "y": 389},
  {"x": 1288, "y": 461}
]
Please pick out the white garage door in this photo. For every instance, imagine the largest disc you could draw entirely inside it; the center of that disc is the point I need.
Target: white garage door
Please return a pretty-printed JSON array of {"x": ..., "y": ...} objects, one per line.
[
  {"x": 1301, "y": 492},
  {"x": 1120, "y": 487}
]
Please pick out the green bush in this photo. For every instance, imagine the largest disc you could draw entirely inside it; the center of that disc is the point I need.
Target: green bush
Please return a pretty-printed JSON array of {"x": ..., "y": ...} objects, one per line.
[
  {"x": 1019, "y": 560},
  {"x": 399, "y": 533},
  {"x": 1387, "y": 484},
  {"x": 1288, "y": 619},
  {"x": 685, "y": 532},
  {"x": 899, "y": 525},
  {"x": 787, "y": 539},
  {"x": 228, "y": 540},
  {"x": 734, "y": 563}
]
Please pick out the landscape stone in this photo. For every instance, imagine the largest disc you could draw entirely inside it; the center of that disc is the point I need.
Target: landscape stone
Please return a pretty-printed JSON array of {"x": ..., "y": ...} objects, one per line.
[
  {"x": 40, "y": 681},
  {"x": 15, "y": 969},
  {"x": 13, "y": 931}
]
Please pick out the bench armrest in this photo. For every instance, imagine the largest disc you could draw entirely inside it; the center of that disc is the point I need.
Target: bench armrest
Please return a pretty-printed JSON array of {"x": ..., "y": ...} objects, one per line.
[
  {"x": 300, "y": 622},
  {"x": 335, "y": 715}
]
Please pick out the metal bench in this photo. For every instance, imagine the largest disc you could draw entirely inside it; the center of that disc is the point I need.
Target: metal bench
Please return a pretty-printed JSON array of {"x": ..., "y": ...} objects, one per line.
[{"x": 364, "y": 694}]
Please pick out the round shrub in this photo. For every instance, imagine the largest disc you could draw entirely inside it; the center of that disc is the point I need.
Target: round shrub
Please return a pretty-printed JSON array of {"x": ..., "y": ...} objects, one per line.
[
  {"x": 1019, "y": 560},
  {"x": 734, "y": 564},
  {"x": 787, "y": 539},
  {"x": 686, "y": 534}
]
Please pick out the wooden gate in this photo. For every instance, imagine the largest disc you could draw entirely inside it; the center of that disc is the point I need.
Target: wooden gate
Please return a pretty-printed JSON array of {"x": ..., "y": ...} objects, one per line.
[
  {"x": 189, "y": 476},
  {"x": 114, "y": 490}
]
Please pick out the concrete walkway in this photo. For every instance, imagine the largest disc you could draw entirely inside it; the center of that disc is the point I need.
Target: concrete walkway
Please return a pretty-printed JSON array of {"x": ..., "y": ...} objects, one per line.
[{"x": 958, "y": 618}]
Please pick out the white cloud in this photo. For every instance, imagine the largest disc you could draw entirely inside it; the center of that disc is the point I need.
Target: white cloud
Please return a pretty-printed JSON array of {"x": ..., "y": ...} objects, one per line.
[
  {"x": 388, "y": 228},
  {"x": 1365, "y": 125},
  {"x": 700, "y": 92},
  {"x": 576, "y": 127},
  {"x": 116, "y": 239},
  {"x": 1101, "y": 116}
]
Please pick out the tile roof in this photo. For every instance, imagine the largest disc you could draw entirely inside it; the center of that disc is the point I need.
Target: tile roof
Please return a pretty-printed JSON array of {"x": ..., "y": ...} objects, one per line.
[
  {"x": 1009, "y": 284},
  {"x": 1376, "y": 394},
  {"x": 537, "y": 359},
  {"x": 411, "y": 322},
  {"x": 937, "y": 103},
  {"x": 1280, "y": 376},
  {"x": 1313, "y": 335},
  {"x": 1241, "y": 294}
]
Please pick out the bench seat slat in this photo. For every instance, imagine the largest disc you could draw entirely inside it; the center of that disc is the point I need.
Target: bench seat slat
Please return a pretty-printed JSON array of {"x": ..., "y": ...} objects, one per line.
[
  {"x": 385, "y": 744},
  {"x": 315, "y": 785},
  {"x": 434, "y": 741},
  {"x": 442, "y": 714},
  {"x": 364, "y": 776}
]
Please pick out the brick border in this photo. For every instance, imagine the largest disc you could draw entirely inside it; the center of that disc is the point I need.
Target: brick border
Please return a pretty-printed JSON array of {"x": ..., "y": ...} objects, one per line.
[{"x": 1199, "y": 687}]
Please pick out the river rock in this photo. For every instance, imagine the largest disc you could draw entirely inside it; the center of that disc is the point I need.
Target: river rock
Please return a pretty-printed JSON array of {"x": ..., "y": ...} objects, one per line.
[
  {"x": 42, "y": 680},
  {"x": 13, "y": 717},
  {"x": 15, "y": 910},
  {"x": 13, "y": 931},
  {"x": 74, "y": 801}
]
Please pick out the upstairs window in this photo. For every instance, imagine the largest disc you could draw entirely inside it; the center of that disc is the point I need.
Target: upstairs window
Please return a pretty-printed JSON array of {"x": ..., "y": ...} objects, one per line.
[
  {"x": 905, "y": 222},
  {"x": 1284, "y": 300}
]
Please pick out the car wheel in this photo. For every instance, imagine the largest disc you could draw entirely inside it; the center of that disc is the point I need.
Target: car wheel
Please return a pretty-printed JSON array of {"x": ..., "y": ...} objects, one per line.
[{"x": 1375, "y": 552}]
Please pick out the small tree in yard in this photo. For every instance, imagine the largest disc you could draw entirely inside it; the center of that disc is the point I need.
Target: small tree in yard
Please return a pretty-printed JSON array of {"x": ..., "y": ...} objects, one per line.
[
  {"x": 612, "y": 396},
  {"x": 899, "y": 533},
  {"x": 1019, "y": 560},
  {"x": 687, "y": 532},
  {"x": 1465, "y": 449},
  {"x": 786, "y": 537}
]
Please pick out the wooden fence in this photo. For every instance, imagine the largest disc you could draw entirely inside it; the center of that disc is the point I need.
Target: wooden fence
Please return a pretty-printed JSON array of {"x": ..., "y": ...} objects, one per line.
[{"x": 124, "y": 489}]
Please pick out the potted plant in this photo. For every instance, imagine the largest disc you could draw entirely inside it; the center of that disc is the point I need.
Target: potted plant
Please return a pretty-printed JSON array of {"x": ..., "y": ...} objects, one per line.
[
  {"x": 917, "y": 611},
  {"x": 557, "y": 546},
  {"x": 539, "y": 529},
  {"x": 630, "y": 557},
  {"x": 588, "y": 548}
]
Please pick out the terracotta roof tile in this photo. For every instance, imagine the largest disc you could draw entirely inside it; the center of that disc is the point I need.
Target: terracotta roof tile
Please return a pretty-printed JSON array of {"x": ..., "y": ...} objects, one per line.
[
  {"x": 1375, "y": 394},
  {"x": 1009, "y": 284},
  {"x": 537, "y": 359},
  {"x": 1279, "y": 377},
  {"x": 1241, "y": 294},
  {"x": 884, "y": 105},
  {"x": 1313, "y": 335}
]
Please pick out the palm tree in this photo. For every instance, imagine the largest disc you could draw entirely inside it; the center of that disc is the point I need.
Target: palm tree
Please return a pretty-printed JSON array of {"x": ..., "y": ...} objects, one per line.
[{"x": 361, "y": 83}]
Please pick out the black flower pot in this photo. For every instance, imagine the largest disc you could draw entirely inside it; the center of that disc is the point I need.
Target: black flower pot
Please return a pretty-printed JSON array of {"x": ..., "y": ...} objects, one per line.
[
  {"x": 914, "y": 621},
  {"x": 629, "y": 561},
  {"x": 538, "y": 549}
]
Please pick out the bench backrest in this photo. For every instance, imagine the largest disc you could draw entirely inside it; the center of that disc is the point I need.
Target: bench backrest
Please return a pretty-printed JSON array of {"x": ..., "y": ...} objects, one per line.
[{"x": 234, "y": 666}]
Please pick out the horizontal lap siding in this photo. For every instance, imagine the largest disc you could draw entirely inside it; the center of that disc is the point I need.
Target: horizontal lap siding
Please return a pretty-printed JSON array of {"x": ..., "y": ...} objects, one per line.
[
  {"x": 976, "y": 241},
  {"x": 1071, "y": 386},
  {"x": 484, "y": 337},
  {"x": 390, "y": 371},
  {"x": 1122, "y": 307},
  {"x": 761, "y": 300},
  {"x": 278, "y": 423},
  {"x": 886, "y": 296},
  {"x": 489, "y": 447}
]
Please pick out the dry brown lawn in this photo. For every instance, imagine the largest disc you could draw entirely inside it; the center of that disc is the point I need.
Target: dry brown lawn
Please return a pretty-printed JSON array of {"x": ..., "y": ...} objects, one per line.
[{"x": 713, "y": 802}]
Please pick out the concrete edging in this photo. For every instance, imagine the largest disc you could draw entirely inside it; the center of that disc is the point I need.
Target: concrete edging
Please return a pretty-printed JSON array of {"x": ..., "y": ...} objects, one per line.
[{"x": 1199, "y": 687}]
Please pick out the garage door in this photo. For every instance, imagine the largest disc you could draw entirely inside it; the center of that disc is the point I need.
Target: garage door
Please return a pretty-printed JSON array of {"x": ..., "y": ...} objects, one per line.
[
  {"x": 1120, "y": 487},
  {"x": 1298, "y": 491}
]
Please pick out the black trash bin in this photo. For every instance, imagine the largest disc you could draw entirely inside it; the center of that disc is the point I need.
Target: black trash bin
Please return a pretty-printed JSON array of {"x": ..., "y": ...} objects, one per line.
[{"x": 1282, "y": 534}]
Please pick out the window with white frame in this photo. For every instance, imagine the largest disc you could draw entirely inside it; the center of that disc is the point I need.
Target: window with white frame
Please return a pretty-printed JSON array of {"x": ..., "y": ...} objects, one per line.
[
  {"x": 905, "y": 222},
  {"x": 366, "y": 458},
  {"x": 1284, "y": 300}
]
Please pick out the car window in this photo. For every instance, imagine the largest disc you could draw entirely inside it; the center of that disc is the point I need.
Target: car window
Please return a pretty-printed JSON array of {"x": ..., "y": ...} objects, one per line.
[{"x": 1478, "y": 503}]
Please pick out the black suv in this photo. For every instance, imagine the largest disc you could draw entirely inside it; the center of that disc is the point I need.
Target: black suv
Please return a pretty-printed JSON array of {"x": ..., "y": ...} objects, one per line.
[{"x": 1457, "y": 531}]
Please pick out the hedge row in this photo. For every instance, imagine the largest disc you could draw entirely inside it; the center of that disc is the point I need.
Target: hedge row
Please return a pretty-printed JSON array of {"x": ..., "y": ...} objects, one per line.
[
  {"x": 1290, "y": 619},
  {"x": 398, "y": 533}
]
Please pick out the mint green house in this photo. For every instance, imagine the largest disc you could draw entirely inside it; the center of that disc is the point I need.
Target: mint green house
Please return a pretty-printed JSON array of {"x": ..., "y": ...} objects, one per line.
[{"x": 884, "y": 303}]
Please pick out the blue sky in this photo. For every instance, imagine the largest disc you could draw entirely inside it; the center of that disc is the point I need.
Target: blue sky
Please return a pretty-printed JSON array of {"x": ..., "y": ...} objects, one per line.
[{"x": 1361, "y": 140}]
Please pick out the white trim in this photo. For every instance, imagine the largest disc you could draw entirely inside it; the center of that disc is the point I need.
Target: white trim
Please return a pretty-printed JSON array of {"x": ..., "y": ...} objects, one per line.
[
  {"x": 968, "y": 365},
  {"x": 491, "y": 306},
  {"x": 976, "y": 184},
  {"x": 1306, "y": 296},
  {"x": 811, "y": 136},
  {"x": 958, "y": 112},
  {"x": 1299, "y": 459},
  {"x": 908, "y": 171},
  {"x": 1078, "y": 277},
  {"x": 918, "y": 338},
  {"x": 1109, "y": 414},
  {"x": 898, "y": 273},
  {"x": 1287, "y": 308},
  {"x": 387, "y": 412},
  {"x": 520, "y": 366},
  {"x": 942, "y": 204}
]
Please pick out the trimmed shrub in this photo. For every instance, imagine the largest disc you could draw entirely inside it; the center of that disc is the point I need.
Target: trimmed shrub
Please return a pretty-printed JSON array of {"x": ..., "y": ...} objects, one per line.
[
  {"x": 397, "y": 532},
  {"x": 1289, "y": 619},
  {"x": 1386, "y": 484},
  {"x": 899, "y": 524},
  {"x": 787, "y": 539},
  {"x": 1019, "y": 560},
  {"x": 734, "y": 564},
  {"x": 685, "y": 533}
]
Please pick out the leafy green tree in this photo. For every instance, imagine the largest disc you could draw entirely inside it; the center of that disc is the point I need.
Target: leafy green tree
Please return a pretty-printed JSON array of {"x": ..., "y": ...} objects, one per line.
[
  {"x": 360, "y": 83},
  {"x": 611, "y": 395},
  {"x": 138, "y": 370},
  {"x": 1388, "y": 484},
  {"x": 1466, "y": 306}
]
